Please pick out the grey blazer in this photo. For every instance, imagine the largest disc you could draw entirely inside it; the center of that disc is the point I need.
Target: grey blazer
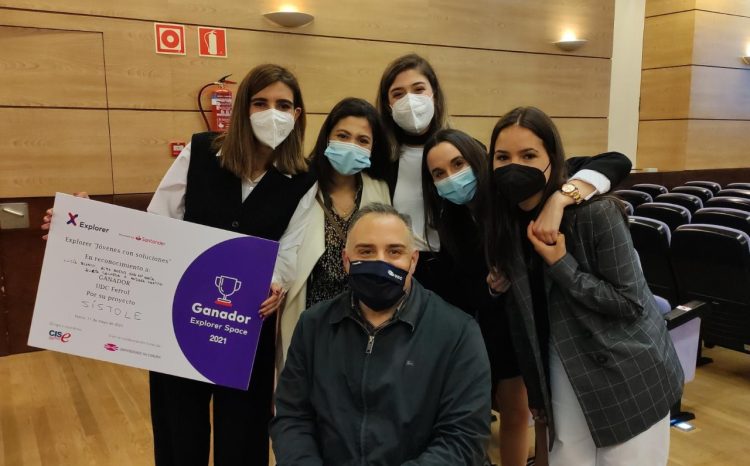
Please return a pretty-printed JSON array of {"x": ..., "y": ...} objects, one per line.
[{"x": 604, "y": 324}]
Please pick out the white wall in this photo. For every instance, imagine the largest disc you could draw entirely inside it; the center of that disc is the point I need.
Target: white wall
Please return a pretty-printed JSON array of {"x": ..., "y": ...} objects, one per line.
[{"x": 625, "y": 84}]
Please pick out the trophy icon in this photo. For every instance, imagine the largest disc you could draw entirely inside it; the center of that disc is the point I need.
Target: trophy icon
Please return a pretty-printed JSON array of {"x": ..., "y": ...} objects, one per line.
[{"x": 227, "y": 287}]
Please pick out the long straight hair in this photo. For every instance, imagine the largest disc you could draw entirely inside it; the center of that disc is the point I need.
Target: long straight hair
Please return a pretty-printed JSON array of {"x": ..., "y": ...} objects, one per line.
[
  {"x": 411, "y": 61},
  {"x": 455, "y": 224},
  {"x": 238, "y": 144},
  {"x": 503, "y": 233},
  {"x": 380, "y": 154}
]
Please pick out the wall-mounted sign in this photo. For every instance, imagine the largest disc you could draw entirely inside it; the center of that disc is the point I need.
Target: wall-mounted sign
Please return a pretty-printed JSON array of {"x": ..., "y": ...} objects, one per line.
[
  {"x": 212, "y": 42},
  {"x": 169, "y": 38}
]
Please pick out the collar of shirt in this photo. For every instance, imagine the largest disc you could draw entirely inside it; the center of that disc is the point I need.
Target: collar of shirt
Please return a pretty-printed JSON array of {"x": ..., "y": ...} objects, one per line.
[{"x": 405, "y": 313}]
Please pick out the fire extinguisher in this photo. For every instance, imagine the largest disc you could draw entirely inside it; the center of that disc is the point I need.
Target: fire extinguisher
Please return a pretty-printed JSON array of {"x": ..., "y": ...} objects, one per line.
[{"x": 221, "y": 105}]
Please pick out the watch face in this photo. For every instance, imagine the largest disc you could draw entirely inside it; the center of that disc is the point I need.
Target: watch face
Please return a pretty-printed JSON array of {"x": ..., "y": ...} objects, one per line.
[{"x": 568, "y": 188}]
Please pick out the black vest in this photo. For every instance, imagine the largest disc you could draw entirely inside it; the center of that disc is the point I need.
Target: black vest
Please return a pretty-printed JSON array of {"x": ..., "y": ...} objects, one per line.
[{"x": 213, "y": 196}]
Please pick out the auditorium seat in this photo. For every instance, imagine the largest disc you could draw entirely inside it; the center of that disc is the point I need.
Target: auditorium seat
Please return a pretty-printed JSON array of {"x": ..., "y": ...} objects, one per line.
[
  {"x": 712, "y": 185},
  {"x": 627, "y": 206},
  {"x": 738, "y": 186},
  {"x": 683, "y": 323},
  {"x": 730, "y": 202},
  {"x": 672, "y": 214},
  {"x": 635, "y": 198},
  {"x": 732, "y": 218},
  {"x": 712, "y": 264},
  {"x": 652, "y": 189},
  {"x": 703, "y": 193},
  {"x": 743, "y": 193},
  {"x": 690, "y": 202},
  {"x": 651, "y": 240}
]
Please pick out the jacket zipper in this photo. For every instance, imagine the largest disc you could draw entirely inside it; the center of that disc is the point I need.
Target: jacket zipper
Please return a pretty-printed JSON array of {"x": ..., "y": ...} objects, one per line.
[{"x": 368, "y": 351}]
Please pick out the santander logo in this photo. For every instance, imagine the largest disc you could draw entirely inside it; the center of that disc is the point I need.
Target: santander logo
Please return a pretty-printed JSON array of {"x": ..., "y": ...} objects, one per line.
[{"x": 111, "y": 347}]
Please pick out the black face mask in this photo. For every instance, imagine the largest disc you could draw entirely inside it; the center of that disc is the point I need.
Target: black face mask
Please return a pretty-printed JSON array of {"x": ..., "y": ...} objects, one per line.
[
  {"x": 516, "y": 183},
  {"x": 377, "y": 284}
]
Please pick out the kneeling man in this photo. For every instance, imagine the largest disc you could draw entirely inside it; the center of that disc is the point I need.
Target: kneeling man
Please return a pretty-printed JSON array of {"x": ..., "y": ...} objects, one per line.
[{"x": 387, "y": 373}]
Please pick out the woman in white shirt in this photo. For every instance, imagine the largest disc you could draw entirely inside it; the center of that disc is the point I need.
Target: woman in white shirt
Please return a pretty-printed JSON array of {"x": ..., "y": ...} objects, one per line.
[
  {"x": 253, "y": 179},
  {"x": 350, "y": 161}
]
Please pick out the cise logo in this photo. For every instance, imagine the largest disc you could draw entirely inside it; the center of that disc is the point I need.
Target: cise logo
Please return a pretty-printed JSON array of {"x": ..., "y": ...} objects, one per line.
[
  {"x": 111, "y": 347},
  {"x": 58, "y": 335},
  {"x": 72, "y": 220}
]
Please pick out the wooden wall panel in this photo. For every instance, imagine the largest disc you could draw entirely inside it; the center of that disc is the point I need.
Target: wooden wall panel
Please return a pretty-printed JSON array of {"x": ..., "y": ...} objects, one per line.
[
  {"x": 731, "y": 7},
  {"x": 140, "y": 146},
  {"x": 665, "y": 93},
  {"x": 139, "y": 79},
  {"x": 662, "y": 144},
  {"x": 717, "y": 144},
  {"x": 47, "y": 150},
  {"x": 491, "y": 83},
  {"x": 662, "y": 7},
  {"x": 32, "y": 57},
  {"x": 720, "y": 93},
  {"x": 478, "y": 83},
  {"x": 667, "y": 40},
  {"x": 164, "y": 82},
  {"x": 720, "y": 40},
  {"x": 530, "y": 26}
]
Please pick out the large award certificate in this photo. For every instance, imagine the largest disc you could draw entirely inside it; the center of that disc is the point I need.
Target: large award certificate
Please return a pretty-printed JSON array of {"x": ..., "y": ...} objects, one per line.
[{"x": 152, "y": 292}]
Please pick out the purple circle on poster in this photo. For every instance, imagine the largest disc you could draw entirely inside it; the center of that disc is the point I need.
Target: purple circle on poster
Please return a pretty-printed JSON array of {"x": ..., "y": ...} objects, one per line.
[{"x": 215, "y": 308}]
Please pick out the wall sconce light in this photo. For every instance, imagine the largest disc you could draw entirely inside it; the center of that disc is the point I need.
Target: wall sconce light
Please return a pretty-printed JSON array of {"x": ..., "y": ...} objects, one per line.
[
  {"x": 569, "y": 42},
  {"x": 746, "y": 58},
  {"x": 289, "y": 17}
]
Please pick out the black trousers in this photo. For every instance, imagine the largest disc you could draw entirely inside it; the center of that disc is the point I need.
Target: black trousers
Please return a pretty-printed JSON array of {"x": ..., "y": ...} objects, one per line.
[{"x": 181, "y": 419}]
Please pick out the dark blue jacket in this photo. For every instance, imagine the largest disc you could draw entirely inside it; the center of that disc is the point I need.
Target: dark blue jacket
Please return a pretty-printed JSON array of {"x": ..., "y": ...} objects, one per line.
[{"x": 414, "y": 392}]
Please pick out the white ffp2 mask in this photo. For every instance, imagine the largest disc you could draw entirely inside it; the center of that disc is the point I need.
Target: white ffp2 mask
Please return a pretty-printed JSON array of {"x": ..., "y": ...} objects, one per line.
[
  {"x": 413, "y": 112},
  {"x": 272, "y": 126}
]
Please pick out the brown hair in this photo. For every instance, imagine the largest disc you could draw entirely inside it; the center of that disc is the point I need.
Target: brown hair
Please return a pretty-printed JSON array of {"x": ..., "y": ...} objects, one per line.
[
  {"x": 503, "y": 224},
  {"x": 238, "y": 144},
  {"x": 411, "y": 61}
]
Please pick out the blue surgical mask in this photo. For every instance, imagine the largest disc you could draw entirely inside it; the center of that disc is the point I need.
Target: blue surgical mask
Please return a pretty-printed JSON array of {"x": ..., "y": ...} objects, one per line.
[
  {"x": 347, "y": 158},
  {"x": 459, "y": 188}
]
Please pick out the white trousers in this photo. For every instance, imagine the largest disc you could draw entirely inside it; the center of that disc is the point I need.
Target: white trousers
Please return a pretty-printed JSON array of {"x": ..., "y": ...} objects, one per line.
[{"x": 574, "y": 445}]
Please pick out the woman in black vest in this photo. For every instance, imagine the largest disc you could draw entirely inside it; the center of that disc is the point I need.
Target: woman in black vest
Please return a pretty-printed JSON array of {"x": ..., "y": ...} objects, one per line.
[{"x": 251, "y": 180}]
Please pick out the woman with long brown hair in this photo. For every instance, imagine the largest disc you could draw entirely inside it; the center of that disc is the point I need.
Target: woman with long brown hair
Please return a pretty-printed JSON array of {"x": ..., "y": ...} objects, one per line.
[{"x": 253, "y": 180}]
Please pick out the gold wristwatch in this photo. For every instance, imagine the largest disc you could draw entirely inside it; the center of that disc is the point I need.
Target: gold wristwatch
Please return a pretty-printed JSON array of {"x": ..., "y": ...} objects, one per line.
[{"x": 571, "y": 190}]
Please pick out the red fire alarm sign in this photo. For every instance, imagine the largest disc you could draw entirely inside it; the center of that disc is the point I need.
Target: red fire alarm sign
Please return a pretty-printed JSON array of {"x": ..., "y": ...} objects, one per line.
[
  {"x": 169, "y": 38},
  {"x": 212, "y": 42},
  {"x": 176, "y": 147}
]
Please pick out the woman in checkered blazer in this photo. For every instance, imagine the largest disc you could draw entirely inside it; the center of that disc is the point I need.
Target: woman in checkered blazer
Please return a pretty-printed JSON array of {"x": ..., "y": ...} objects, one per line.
[{"x": 599, "y": 365}]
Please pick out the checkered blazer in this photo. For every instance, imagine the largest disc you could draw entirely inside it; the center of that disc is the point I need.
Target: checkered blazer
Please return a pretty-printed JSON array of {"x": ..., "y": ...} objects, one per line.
[{"x": 604, "y": 324}]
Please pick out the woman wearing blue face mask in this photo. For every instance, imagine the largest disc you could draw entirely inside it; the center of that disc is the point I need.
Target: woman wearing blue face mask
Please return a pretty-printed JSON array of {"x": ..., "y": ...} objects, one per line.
[
  {"x": 455, "y": 181},
  {"x": 350, "y": 161},
  {"x": 455, "y": 174}
]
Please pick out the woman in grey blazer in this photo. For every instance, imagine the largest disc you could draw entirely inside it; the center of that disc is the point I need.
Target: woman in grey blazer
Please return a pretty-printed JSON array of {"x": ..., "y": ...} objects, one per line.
[{"x": 599, "y": 365}]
